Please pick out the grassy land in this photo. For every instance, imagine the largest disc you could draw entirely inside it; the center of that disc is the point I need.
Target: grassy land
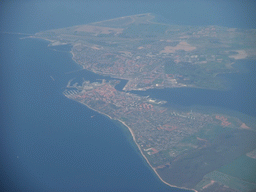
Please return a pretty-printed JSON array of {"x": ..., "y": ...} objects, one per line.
[
  {"x": 230, "y": 181},
  {"x": 145, "y": 30},
  {"x": 243, "y": 167}
]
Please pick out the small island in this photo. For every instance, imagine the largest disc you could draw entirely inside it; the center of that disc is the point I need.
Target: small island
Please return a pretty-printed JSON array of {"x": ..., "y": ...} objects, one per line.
[{"x": 186, "y": 149}]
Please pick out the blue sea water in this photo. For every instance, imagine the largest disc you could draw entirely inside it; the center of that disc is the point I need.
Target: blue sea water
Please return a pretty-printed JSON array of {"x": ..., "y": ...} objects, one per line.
[
  {"x": 50, "y": 143},
  {"x": 239, "y": 96}
]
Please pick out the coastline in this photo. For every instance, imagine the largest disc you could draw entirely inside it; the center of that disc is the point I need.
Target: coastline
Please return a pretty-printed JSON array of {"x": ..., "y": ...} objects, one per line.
[
  {"x": 130, "y": 130},
  {"x": 133, "y": 136}
]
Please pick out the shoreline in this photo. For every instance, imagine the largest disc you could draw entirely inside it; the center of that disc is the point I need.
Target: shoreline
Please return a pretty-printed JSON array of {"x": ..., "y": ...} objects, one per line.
[
  {"x": 128, "y": 79},
  {"x": 133, "y": 136},
  {"x": 154, "y": 169}
]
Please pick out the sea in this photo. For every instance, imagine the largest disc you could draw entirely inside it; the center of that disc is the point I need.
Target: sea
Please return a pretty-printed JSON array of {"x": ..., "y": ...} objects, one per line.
[{"x": 51, "y": 143}]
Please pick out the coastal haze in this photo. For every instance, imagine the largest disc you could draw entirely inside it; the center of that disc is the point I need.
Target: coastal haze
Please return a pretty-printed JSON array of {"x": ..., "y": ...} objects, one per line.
[
  {"x": 116, "y": 63},
  {"x": 185, "y": 149}
]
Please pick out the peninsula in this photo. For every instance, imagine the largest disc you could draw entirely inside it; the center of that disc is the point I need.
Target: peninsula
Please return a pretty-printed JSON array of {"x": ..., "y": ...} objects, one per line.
[{"x": 189, "y": 150}]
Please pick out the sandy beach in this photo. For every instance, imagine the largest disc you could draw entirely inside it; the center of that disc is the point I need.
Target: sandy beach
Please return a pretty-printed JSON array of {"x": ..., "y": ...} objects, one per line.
[{"x": 133, "y": 136}]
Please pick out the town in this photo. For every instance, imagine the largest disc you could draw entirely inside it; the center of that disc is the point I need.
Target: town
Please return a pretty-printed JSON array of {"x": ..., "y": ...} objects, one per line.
[
  {"x": 159, "y": 131},
  {"x": 185, "y": 148}
]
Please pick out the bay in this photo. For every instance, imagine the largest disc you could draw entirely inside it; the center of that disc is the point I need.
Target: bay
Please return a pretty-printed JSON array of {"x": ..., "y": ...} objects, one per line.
[
  {"x": 239, "y": 96},
  {"x": 50, "y": 143}
]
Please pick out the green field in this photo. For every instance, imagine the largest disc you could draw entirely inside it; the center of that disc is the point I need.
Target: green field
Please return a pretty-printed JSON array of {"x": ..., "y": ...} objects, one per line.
[
  {"x": 243, "y": 167},
  {"x": 231, "y": 182},
  {"x": 209, "y": 133},
  {"x": 145, "y": 30}
]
